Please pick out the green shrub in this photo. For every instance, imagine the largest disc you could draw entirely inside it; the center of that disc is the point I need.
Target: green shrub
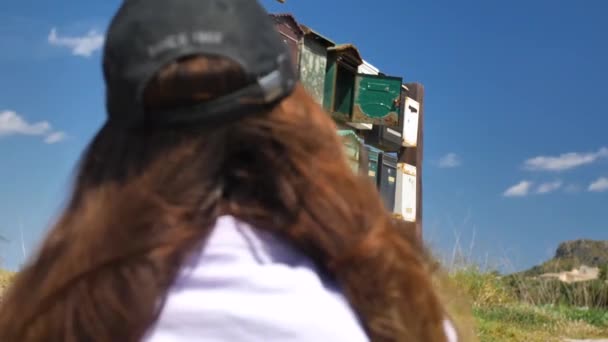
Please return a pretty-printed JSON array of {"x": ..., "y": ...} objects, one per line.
[
  {"x": 590, "y": 294},
  {"x": 482, "y": 288},
  {"x": 604, "y": 272},
  {"x": 521, "y": 315}
]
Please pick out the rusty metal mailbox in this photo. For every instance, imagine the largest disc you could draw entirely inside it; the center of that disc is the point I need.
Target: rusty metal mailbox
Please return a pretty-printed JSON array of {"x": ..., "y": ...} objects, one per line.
[
  {"x": 377, "y": 100},
  {"x": 389, "y": 138},
  {"x": 342, "y": 64},
  {"x": 393, "y": 138},
  {"x": 313, "y": 62},
  {"x": 351, "y": 96},
  {"x": 291, "y": 32}
]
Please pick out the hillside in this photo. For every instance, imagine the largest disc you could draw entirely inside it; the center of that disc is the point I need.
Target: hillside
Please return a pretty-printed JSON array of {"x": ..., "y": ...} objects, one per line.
[{"x": 572, "y": 254}]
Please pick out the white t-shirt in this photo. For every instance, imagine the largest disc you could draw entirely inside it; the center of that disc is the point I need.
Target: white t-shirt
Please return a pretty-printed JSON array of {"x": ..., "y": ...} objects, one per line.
[{"x": 247, "y": 285}]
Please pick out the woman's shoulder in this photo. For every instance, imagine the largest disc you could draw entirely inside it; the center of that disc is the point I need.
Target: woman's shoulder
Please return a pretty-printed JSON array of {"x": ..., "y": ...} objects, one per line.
[{"x": 249, "y": 285}]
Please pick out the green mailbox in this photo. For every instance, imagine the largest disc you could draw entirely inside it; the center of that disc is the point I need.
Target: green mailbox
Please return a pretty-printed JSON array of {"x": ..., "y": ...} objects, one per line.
[
  {"x": 342, "y": 64},
  {"x": 359, "y": 98},
  {"x": 377, "y": 100}
]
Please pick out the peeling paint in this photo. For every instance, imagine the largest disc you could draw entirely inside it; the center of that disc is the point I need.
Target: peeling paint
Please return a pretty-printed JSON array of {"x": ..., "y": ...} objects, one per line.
[{"x": 313, "y": 64}]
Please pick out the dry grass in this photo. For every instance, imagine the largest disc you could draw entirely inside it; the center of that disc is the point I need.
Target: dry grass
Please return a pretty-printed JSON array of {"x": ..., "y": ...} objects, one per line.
[
  {"x": 500, "y": 314},
  {"x": 5, "y": 280}
]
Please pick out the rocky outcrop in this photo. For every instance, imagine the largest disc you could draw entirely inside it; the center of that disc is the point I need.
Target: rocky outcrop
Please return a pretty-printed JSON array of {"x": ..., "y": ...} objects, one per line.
[
  {"x": 571, "y": 255},
  {"x": 588, "y": 252}
]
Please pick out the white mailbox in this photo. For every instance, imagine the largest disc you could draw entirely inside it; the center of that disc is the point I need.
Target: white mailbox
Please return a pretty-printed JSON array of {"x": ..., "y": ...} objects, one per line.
[
  {"x": 410, "y": 122},
  {"x": 405, "y": 194},
  {"x": 367, "y": 68}
]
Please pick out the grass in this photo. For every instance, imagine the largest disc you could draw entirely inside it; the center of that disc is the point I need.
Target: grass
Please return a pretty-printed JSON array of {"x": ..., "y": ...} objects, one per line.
[
  {"x": 504, "y": 310},
  {"x": 524, "y": 322},
  {"x": 591, "y": 294},
  {"x": 510, "y": 309}
]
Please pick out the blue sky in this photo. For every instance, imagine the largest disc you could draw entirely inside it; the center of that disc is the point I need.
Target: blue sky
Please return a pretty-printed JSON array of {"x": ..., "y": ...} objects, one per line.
[{"x": 516, "y": 150}]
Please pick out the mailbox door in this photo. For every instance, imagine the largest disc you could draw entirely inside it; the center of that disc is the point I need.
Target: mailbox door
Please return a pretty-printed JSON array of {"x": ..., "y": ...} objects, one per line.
[
  {"x": 343, "y": 100},
  {"x": 388, "y": 180},
  {"x": 372, "y": 172},
  {"x": 410, "y": 122},
  {"x": 377, "y": 100},
  {"x": 405, "y": 198}
]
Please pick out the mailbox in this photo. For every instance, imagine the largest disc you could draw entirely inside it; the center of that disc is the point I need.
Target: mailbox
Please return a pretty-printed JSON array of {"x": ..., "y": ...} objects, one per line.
[
  {"x": 410, "y": 122},
  {"x": 406, "y": 195},
  {"x": 313, "y": 62},
  {"x": 355, "y": 97},
  {"x": 373, "y": 156},
  {"x": 387, "y": 183},
  {"x": 368, "y": 69},
  {"x": 388, "y": 138},
  {"x": 393, "y": 138},
  {"x": 352, "y": 147},
  {"x": 377, "y": 100},
  {"x": 292, "y": 34},
  {"x": 342, "y": 64}
]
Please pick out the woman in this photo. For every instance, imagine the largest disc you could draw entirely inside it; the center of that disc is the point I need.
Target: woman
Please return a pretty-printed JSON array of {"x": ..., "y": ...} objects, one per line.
[{"x": 216, "y": 204}]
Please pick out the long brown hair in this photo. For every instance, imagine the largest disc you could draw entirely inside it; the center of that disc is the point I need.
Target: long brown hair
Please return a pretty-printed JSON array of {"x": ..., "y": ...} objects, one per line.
[{"x": 146, "y": 197}]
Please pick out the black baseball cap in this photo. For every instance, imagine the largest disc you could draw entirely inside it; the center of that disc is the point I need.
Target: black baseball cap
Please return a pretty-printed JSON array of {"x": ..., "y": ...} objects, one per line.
[{"x": 146, "y": 35}]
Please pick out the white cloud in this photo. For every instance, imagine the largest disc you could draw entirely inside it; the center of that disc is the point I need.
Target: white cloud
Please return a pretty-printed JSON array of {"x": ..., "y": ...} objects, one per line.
[
  {"x": 83, "y": 46},
  {"x": 519, "y": 190},
  {"x": 12, "y": 123},
  {"x": 548, "y": 187},
  {"x": 55, "y": 137},
  {"x": 600, "y": 185},
  {"x": 450, "y": 160},
  {"x": 564, "y": 161}
]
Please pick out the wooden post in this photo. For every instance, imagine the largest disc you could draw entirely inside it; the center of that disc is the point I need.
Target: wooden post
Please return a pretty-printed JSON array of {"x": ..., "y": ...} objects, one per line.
[{"x": 414, "y": 155}]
